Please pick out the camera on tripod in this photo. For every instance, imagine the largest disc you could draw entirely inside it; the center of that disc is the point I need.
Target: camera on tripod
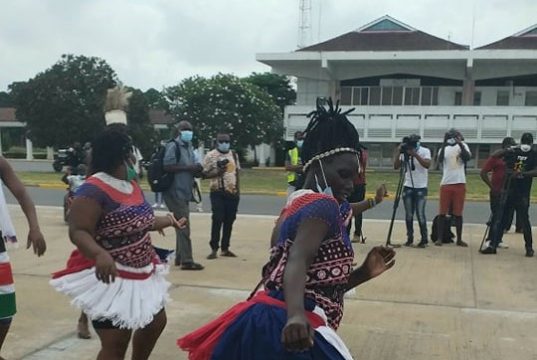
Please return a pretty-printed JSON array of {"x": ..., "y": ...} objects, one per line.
[{"x": 409, "y": 143}]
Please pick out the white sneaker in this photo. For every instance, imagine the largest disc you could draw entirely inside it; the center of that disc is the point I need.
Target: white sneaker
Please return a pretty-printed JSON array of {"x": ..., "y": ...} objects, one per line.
[
  {"x": 162, "y": 206},
  {"x": 199, "y": 209},
  {"x": 154, "y": 206},
  {"x": 486, "y": 245},
  {"x": 503, "y": 245}
]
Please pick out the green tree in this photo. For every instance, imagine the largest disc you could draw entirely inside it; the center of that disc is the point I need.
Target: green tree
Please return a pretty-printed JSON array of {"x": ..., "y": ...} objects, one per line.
[
  {"x": 278, "y": 86},
  {"x": 64, "y": 103},
  {"x": 226, "y": 103},
  {"x": 5, "y": 99},
  {"x": 156, "y": 100},
  {"x": 139, "y": 125}
]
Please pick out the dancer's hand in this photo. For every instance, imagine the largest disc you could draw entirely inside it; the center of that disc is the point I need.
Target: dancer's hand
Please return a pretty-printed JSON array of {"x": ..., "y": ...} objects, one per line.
[
  {"x": 381, "y": 193},
  {"x": 37, "y": 242},
  {"x": 379, "y": 259},
  {"x": 105, "y": 267},
  {"x": 297, "y": 335},
  {"x": 178, "y": 224}
]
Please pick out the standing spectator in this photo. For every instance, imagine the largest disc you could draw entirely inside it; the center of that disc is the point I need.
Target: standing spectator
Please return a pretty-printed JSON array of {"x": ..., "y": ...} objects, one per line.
[
  {"x": 197, "y": 182},
  {"x": 495, "y": 166},
  {"x": 522, "y": 163},
  {"x": 415, "y": 186},
  {"x": 293, "y": 164},
  {"x": 179, "y": 195},
  {"x": 137, "y": 159},
  {"x": 358, "y": 194},
  {"x": 221, "y": 165},
  {"x": 453, "y": 155}
]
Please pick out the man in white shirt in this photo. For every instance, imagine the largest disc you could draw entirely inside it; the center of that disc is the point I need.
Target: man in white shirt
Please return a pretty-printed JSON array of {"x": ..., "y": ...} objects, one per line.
[
  {"x": 416, "y": 160},
  {"x": 453, "y": 155}
]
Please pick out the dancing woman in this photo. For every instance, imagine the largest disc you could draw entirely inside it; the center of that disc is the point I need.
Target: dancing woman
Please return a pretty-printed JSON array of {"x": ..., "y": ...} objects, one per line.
[
  {"x": 310, "y": 267},
  {"x": 115, "y": 276}
]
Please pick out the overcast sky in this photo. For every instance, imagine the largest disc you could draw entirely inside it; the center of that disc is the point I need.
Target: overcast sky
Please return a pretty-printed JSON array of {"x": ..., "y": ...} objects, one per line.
[{"x": 156, "y": 43}]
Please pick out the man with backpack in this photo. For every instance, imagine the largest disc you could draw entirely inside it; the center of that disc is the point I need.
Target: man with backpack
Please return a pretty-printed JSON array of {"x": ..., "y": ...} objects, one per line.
[
  {"x": 179, "y": 160},
  {"x": 221, "y": 165}
]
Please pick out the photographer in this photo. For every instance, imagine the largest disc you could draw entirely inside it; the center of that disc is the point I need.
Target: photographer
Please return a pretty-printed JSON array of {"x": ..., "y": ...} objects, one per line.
[
  {"x": 521, "y": 165},
  {"x": 495, "y": 166},
  {"x": 453, "y": 155},
  {"x": 221, "y": 165},
  {"x": 416, "y": 159}
]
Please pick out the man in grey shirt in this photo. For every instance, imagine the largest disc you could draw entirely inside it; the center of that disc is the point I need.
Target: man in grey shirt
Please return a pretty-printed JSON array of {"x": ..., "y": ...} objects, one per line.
[{"x": 179, "y": 195}]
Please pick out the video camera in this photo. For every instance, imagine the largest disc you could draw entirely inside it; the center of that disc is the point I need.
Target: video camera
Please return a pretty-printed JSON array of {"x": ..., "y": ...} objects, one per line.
[
  {"x": 222, "y": 163},
  {"x": 410, "y": 143}
]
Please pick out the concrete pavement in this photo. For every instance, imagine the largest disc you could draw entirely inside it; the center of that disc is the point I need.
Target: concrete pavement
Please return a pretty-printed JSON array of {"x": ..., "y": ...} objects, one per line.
[{"x": 436, "y": 303}]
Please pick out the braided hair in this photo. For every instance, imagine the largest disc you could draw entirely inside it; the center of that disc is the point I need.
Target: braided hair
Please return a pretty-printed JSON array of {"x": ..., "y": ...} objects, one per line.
[
  {"x": 110, "y": 149},
  {"x": 327, "y": 130}
]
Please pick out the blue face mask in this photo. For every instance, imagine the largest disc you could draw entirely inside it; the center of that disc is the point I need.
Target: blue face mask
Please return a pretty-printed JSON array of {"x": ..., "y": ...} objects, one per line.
[
  {"x": 223, "y": 147},
  {"x": 299, "y": 143},
  {"x": 186, "y": 135},
  {"x": 418, "y": 144}
]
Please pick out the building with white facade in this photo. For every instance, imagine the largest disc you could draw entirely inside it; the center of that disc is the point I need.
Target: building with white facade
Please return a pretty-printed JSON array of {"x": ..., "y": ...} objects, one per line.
[{"x": 403, "y": 81}]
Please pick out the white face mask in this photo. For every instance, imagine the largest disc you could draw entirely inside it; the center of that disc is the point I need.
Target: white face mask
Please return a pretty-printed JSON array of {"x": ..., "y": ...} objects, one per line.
[
  {"x": 328, "y": 189},
  {"x": 451, "y": 141},
  {"x": 525, "y": 147}
]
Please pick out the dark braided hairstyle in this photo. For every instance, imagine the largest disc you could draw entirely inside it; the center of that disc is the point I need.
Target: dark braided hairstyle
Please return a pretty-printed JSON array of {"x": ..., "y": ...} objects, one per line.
[
  {"x": 110, "y": 149},
  {"x": 327, "y": 130}
]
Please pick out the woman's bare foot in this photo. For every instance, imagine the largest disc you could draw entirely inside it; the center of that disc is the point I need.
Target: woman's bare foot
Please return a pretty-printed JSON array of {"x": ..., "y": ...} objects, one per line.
[{"x": 83, "y": 327}]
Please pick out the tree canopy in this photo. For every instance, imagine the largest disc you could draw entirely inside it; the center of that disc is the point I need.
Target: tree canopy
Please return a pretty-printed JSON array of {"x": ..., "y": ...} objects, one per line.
[
  {"x": 64, "y": 103},
  {"x": 226, "y": 103},
  {"x": 277, "y": 86}
]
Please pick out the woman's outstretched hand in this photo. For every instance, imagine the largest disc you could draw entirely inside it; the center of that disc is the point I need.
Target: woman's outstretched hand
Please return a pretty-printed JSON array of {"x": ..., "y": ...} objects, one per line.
[
  {"x": 381, "y": 193},
  {"x": 297, "y": 335},
  {"x": 379, "y": 259}
]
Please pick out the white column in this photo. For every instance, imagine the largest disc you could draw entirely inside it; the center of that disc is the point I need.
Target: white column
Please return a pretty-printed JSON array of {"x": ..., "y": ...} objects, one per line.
[
  {"x": 261, "y": 155},
  {"x": 29, "y": 149},
  {"x": 50, "y": 153}
]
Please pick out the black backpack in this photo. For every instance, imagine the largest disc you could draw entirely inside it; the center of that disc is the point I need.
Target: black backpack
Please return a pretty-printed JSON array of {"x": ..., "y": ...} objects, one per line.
[
  {"x": 448, "y": 235},
  {"x": 160, "y": 180}
]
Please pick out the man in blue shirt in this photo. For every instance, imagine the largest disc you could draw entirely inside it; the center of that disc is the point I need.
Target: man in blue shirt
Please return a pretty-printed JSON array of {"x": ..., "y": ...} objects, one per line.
[{"x": 179, "y": 195}]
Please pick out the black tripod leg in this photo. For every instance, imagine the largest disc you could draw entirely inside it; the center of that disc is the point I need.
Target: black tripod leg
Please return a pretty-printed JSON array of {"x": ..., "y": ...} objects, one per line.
[{"x": 395, "y": 206}]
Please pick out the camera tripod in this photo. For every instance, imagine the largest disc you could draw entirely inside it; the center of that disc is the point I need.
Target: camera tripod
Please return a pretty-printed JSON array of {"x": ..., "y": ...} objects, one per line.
[
  {"x": 498, "y": 217},
  {"x": 407, "y": 165}
]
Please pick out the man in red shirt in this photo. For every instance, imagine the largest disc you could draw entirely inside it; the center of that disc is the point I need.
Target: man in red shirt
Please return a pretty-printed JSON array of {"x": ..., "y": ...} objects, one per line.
[{"x": 496, "y": 167}]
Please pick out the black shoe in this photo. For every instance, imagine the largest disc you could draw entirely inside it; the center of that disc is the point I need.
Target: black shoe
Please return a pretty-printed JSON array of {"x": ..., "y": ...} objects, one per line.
[
  {"x": 409, "y": 243},
  {"x": 422, "y": 244},
  {"x": 192, "y": 266},
  {"x": 438, "y": 243},
  {"x": 227, "y": 253},
  {"x": 529, "y": 252},
  {"x": 212, "y": 255},
  {"x": 488, "y": 251},
  {"x": 177, "y": 262}
]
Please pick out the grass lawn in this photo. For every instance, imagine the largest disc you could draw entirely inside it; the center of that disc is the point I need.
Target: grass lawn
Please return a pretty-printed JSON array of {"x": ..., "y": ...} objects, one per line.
[{"x": 273, "y": 181}]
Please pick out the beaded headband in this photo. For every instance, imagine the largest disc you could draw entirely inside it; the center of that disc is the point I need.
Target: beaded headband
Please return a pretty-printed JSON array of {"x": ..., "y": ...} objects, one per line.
[{"x": 327, "y": 154}]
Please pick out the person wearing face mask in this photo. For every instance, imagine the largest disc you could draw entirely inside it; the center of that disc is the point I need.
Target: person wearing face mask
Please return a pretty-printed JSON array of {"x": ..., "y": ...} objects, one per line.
[
  {"x": 300, "y": 306},
  {"x": 179, "y": 195},
  {"x": 495, "y": 166},
  {"x": 115, "y": 276},
  {"x": 453, "y": 155},
  {"x": 293, "y": 164},
  {"x": 222, "y": 166},
  {"x": 521, "y": 165}
]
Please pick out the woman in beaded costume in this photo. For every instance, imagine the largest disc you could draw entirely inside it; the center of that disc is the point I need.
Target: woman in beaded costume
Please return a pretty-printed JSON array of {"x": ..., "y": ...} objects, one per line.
[{"x": 311, "y": 264}]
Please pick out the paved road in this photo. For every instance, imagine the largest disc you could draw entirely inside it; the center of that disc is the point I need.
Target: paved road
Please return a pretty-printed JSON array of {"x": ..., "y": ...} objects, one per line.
[
  {"x": 475, "y": 212},
  {"x": 34, "y": 166}
]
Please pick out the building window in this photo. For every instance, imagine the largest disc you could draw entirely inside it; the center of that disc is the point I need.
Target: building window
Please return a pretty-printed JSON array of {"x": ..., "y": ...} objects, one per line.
[
  {"x": 412, "y": 96},
  {"x": 477, "y": 98},
  {"x": 346, "y": 95},
  {"x": 397, "y": 98},
  {"x": 374, "y": 96},
  {"x": 387, "y": 92},
  {"x": 531, "y": 98},
  {"x": 502, "y": 98},
  {"x": 458, "y": 98},
  {"x": 429, "y": 95}
]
